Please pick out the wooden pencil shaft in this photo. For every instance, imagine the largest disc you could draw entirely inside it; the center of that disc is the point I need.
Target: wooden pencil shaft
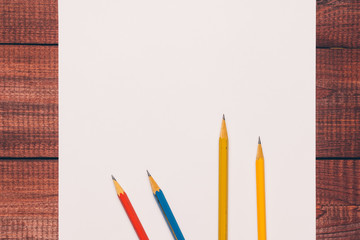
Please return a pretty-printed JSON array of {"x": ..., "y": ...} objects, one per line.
[
  {"x": 130, "y": 211},
  {"x": 260, "y": 193},
  {"x": 223, "y": 183},
  {"x": 169, "y": 216},
  {"x": 166, "y": 210}
]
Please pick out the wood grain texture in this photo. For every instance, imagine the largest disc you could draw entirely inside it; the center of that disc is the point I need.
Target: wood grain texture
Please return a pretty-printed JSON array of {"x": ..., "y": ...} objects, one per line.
[
  {"x": 338, "y": 199},
  {"x": 23, "y": 21},
  {"x": 28, "y": 199},
  {"x": 337, "y": 120},
  {"x": 338, "y": 103},
  {"x": 338, "y": 23},
  {"x": 28, "y": 101},
  {"x": 338, "y": 182},
  {"x": 338, "y": 222}
]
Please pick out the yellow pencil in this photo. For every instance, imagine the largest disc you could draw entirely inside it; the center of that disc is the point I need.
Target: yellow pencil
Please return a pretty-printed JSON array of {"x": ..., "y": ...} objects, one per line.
[
  {"x": 260, "y": 193},
  {"x": 223, "y": 181}
]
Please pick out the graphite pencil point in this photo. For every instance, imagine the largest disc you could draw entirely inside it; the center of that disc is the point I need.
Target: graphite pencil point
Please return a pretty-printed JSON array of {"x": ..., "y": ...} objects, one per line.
[
  {"x": 113, "y": 177},
  {"x": 259, "y": 141},
  {"x": 224, "y": 116},
  {"x": 148, "y": 173}
]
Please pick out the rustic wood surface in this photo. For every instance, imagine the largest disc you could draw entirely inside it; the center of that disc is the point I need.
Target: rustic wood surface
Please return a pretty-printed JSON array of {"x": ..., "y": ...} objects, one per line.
[
  {"x": 338, "y": 103},
  {"x": 32, "y": 21},
  {"x": 338, "y": 183},
  {"x": 338, "y": 23},
  {"x": 338, "y": 222},
  {"x": 29, "y": 120},
  {"x": 338, "y": 119},
  {"x": 28, "y": 199},
  {"x": 28, "y": 101},
  {"x": 338, "y": 199}
]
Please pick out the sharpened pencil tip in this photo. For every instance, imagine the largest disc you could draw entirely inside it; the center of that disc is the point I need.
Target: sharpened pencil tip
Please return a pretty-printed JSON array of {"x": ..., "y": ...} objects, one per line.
[
  {"x": 224, "y": 116},
  {"x": 113, "y": 177},
  {"x": 259, "y": 141},
  {"x": 148, "y": 173}
]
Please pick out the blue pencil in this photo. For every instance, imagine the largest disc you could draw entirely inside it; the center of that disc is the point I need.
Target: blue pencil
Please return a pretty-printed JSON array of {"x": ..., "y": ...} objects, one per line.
[{"x": 165, "y": 209}]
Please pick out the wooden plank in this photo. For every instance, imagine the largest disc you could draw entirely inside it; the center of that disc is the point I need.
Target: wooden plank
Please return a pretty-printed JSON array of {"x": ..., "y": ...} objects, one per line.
[
  {"x": 28, "y": 101},
  {"x": 337, "y": 103},
  {"x": 338, "y": 23},
  {"x": 338, "y": 198},
  {"x": 337, "y": 182},
  {"x": 33, "y": 21},
  {"x": 338, "y": 222},
  {"x": 29, "y": 199}
]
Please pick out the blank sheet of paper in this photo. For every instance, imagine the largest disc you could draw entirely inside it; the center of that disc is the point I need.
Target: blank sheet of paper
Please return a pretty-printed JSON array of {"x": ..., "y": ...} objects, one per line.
[{"x": 144, "y": 84}]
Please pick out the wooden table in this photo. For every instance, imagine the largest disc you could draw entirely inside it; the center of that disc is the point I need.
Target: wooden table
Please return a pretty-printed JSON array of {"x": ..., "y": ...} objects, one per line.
[{"x": 29, "y": 119}]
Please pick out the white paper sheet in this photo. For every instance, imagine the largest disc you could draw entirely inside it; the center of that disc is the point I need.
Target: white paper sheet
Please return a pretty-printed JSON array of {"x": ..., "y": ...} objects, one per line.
[{"x": 144, "y": 84}]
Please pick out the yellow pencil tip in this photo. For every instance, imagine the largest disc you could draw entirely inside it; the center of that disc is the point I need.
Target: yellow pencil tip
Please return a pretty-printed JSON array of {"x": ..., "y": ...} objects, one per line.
[
  {"x": 223, "y": 131},
  {"x": 118, "y": 188},
  {"x": 153, "y": 184}
]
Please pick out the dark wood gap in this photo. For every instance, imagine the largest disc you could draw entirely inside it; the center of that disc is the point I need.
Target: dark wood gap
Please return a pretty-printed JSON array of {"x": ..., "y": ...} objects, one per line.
[
  {"x": 335, "y": 47},
  {"x": 337, "y": 158},
  {"x": 28, "y": 158},
  {"x": 30, "y": 44},
  {"x": 56, "y": 44}
]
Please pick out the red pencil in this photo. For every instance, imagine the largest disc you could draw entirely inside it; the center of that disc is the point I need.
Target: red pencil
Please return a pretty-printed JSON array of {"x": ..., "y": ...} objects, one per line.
[{"x": 130, "y": 211}]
